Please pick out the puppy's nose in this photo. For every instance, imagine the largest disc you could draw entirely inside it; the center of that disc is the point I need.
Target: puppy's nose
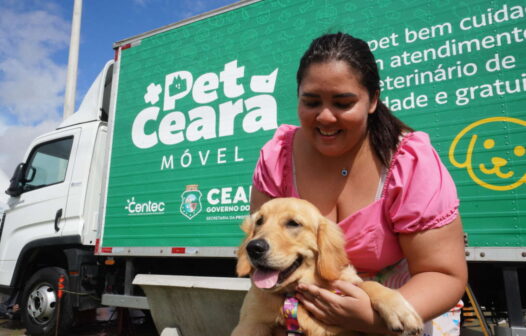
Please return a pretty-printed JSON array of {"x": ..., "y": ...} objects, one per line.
[{"x": 257, "y": 248}]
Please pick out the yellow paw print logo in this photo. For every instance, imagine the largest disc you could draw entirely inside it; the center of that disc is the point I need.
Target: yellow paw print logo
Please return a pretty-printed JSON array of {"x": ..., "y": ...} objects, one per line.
[{"x": 488, "y": 158}]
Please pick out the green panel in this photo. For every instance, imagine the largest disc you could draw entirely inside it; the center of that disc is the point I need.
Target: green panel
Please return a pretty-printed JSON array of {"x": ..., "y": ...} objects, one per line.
[{"x": 447, "y": 68}]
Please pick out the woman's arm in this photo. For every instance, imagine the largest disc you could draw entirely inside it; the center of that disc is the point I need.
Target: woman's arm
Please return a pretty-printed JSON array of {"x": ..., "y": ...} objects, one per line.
[
  {"x": 439, "y": 274},
  {"x": 438, "y": 267}
]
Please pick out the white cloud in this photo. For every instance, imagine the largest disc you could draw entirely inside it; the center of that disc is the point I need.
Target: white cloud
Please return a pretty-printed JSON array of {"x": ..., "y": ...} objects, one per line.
[
  {"x": 15, "y": 140},
  {"x": 32, "y": 93},
  {"x": 31, "y": 81}
]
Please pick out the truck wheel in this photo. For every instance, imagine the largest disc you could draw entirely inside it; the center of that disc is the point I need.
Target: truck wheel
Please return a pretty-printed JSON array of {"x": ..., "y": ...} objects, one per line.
[{"x": 40, "y": 303}]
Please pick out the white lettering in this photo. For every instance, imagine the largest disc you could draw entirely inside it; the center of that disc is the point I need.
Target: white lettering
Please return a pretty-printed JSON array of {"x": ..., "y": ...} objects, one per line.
[
  {"x": 212, "y": 196},
  {"x": 236, "y": 156},
  {"x": 139, "y": 137},
  {"x": 227, "y": 115},
  {"x": 179, "y": 83},
  {"x": 262, "y": 114},
  {"x": 145, "y": 208},
  {"x": 225, "y": 195},
  {"x": 202, "y": 125},
  {"x": 205, "y": 88},
  {"x": 167, "y": 163},
  {"x": 169, "y": 127},
  {"x": 221, "y": 155},
  {"x": 205, "y": 159},
  {"x": 252, "y": 114},
  {"x": 229, "y": 77},
  {"x": 264, "y": 84},
  {"x": 240, "y": 196}
]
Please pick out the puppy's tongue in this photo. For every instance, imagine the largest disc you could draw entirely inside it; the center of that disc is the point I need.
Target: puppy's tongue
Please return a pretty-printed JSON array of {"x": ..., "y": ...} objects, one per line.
[{"x": 265, "y": 279}]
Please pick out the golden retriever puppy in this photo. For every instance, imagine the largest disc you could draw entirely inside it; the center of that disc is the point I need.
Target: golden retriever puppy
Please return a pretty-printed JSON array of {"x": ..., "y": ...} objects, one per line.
[{"x": 288, "y": 242}]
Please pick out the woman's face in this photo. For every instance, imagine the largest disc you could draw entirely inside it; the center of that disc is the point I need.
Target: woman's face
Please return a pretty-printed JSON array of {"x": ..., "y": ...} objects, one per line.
[{"x": 333, "y": 107}]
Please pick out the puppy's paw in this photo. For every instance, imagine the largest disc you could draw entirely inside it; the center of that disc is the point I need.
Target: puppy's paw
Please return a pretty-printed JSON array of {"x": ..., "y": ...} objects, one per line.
[{"x": 399, "y": 315}]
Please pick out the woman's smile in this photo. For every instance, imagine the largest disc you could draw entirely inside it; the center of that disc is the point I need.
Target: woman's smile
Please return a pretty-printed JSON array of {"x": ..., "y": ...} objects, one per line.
[{"x": 328, "y": 132}]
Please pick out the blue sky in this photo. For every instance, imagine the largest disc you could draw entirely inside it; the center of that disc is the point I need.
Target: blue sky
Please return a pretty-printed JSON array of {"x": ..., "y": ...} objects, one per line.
[{"x": 34, "y": 41}]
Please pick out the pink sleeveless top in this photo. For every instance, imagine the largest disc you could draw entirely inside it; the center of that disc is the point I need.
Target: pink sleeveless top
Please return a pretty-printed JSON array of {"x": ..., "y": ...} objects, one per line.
[{"x": 418, "y": 194}]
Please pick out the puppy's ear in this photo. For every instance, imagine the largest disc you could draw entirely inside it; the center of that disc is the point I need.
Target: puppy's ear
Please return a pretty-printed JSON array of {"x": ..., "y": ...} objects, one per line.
[
  {"x": 247, "y": 226},
  {"x": 243, "y": 266},
  {"x": 332, "y": 257}
]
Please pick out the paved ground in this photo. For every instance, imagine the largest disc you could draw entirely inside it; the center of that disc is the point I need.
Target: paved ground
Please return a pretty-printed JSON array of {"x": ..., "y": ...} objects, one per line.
[
  {"x": 8, "y": 328},
  {"x": 137, "y": 327},
  {"x": 103, "y": 322},
  {"x": 13, "y": 328}
]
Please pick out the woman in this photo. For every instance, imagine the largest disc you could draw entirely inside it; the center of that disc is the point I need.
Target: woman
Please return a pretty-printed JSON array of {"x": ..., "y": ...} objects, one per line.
[{"x": 381, "y": 182}]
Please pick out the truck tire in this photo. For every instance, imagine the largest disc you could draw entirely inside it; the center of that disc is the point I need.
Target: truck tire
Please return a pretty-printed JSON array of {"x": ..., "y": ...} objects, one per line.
[{"x": 40, "y": 303}]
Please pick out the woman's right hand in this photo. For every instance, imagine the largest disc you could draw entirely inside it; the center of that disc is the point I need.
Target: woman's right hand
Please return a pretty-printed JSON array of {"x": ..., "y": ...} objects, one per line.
[{"x": 350, "y": 309}]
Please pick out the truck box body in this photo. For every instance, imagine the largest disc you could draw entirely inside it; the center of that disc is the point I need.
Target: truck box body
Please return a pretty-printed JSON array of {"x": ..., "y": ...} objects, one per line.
[{"x": 201, "y": 98}]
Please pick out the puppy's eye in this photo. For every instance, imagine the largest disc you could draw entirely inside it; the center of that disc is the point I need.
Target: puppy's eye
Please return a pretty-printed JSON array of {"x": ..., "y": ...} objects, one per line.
[
  {"x": 259, "y": 221},
  {"x": 293, "y": 224}
]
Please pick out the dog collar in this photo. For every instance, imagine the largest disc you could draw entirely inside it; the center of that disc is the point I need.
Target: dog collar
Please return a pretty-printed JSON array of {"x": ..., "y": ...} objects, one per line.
[{"x": 290, "y": 313}]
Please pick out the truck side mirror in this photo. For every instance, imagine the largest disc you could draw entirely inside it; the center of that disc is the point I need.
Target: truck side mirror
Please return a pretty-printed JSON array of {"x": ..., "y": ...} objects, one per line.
[{"x": 17, "y": 181}]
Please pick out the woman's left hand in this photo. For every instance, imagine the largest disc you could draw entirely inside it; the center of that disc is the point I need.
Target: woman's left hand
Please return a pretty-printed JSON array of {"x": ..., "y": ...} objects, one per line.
[{"x": 350, "y": 310}]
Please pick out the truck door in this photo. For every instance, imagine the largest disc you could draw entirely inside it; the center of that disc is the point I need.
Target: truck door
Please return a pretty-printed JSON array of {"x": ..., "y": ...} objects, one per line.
[{"x": 38, "y": 212}]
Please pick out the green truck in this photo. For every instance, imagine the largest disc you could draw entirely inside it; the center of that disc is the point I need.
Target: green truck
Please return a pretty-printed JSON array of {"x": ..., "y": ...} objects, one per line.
[{"x": 153, "y": 173}]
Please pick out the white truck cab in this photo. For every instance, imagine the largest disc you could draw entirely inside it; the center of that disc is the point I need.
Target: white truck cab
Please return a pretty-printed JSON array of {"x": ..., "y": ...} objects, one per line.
[{"x": 50, "y": 223}]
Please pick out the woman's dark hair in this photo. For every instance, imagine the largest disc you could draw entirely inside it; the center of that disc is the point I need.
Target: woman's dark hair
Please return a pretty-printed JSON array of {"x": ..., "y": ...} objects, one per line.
[{"x": 384, "y": 128}]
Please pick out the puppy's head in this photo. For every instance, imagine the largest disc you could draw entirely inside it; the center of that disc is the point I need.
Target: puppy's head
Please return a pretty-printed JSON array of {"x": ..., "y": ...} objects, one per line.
[{"x": 288, "y": 240}]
